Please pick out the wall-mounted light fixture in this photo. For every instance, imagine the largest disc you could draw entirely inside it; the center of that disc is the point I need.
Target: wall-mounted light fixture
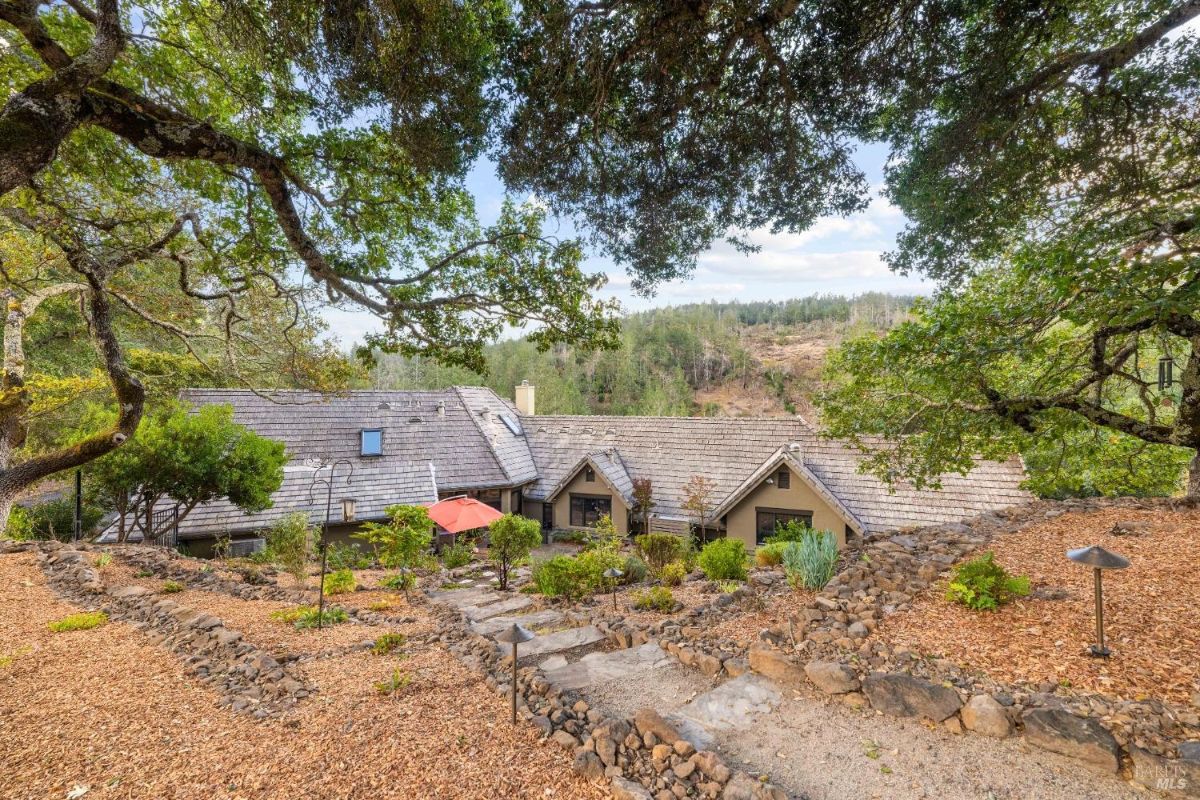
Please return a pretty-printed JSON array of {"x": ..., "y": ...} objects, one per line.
[{"x": 347, "y": 509}]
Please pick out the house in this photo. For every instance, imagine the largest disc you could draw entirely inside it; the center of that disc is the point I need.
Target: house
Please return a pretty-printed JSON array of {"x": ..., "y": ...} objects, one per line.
[{"x": 568, "y": 471}]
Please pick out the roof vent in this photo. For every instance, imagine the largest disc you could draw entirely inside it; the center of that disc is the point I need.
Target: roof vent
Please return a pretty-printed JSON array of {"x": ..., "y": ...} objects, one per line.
[
  {"x": 414, "y": 419},
  {"x": 384, "y": 406},
  {"x": 441, "y": 408},
  {"x": 794, "y": 447}
]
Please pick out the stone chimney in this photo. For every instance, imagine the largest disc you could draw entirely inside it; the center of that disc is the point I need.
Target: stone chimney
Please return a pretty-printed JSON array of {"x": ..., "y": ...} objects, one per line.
[{"x": 525, "y": 399}]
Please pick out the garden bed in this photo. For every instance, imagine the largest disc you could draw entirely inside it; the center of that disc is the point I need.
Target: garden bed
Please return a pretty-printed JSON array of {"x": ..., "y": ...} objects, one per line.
[
  {"x": 744, "y": 628},
  {"x": 1150, "y": 610}
]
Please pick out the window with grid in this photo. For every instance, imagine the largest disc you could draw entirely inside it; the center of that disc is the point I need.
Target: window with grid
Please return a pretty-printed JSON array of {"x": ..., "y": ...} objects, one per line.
[{"x": 768, "y": 519}]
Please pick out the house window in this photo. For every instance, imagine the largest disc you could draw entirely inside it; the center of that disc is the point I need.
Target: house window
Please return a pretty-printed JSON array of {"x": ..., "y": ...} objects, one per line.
[
  {"x": 371, "y": 442},
  {"x": 586, "y": 509},
  {"x": 547, "y": 516},
  {"x": 784, "y": 479},
  {"x": 768, "y": 519},
  {"x": 589, "y": 474}
]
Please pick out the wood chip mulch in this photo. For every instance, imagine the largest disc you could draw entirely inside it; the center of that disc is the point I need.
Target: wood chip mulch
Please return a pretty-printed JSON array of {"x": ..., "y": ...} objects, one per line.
[
  {"x": 1150, "y": 610},
  {"x": 105, "y": 714},
  {"x": 744, "y": 628}
]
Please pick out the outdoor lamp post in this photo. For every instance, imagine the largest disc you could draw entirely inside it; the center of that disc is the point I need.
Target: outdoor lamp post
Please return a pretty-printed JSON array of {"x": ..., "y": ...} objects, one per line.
[
  {"x": 1098, "y": 559},
  {"x": 323, "y": 545},
  {"x": 514, "y": 635},
  {"x": 612, "y": 573}
]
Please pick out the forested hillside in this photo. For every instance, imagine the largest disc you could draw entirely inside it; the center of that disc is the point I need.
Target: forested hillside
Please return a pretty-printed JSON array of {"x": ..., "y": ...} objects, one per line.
[{"x": 757, "y": 358}]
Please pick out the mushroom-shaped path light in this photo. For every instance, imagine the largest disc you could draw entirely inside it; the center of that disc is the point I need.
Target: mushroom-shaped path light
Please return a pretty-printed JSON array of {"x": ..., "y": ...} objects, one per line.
[
  {"x": 614, "y": 574},
  {"x": 1099, "y": 560},
  {"x": 514, "y": 636}
]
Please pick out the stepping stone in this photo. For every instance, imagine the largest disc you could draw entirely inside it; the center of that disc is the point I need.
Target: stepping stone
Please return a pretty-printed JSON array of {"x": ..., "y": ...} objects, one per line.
[
  {"x": 557, "y": 642},
  {"x": 538, "y": 619},
  {"x": 481, "y": 612},
  {"x": 461, "y": 598},
  {"x": 552, "y": 663},
  {"x": 602, "y": 667},
  {"x": 736, "y": 704}
]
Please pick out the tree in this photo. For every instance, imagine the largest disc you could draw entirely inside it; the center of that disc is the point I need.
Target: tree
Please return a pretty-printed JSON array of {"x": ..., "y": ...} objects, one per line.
[
  {"x": 187, "y": 458},
  {"x": 510, "y": 540},
  {"x": 402, "y": 540},
  {"x": 289, "y": 543},
  {"x": 643, "y": 500},
  {"x": 698, "y": 496}
]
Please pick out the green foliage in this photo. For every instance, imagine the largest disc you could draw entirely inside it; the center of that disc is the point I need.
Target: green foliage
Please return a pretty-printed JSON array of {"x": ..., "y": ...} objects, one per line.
[
  {"x": 306, "y": 616},
  {"x": 769, "y": 554},
  {"x": 510, "y": 539},
  {"x": 456, "y": 555},
  {"x": 347, "y": 556},
  {"x": 724, "y": 559},
  {"x": 54, "y": 519},
  {"x": 289, "y": 542},
  {"x": 83, "y": 621},
  {"x": 19, "y": 527},
  {"x": 340, "y": 581},
  {"x": 403, "y": 539},
  {"x": 659, "y": 549},
  {"x": 635, "y": 570},
  {"x": 388, "y": 643},
  {"x": 790, "y": 531},
  {"x": 811, "y": 561},
  {"x": 103, "y": 560},
  {"x": 674, "y": 573},
  {"x": 398, "y": 682},
  {"x": 983, "y": 585},
  {"x": 172, "y": 587},
  {"x": 729, "y": 587},
  {"x": 562, "y": 576},
  {"x": 656, "y": 598},
  {"x": 399, "y": 581}
]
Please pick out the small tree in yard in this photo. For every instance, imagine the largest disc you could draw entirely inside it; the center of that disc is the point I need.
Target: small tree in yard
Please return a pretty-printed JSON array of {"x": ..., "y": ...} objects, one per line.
[
  {"x": 289, "y": 542},
  {"x": 400, "y": 541},
  {"x": 510, "y": 539},
  {"x": 643, "y": 500},
  {"x": 698, "y": 496}
]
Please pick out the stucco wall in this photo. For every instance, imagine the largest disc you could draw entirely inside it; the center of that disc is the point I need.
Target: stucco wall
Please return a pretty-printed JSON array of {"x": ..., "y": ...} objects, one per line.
[
  {"x": 740, "y": 522},
  {"x": 600, "y": 488}
]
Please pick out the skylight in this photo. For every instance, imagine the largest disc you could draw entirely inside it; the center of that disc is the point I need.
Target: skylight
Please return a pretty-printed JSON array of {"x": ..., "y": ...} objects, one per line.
[
  {"x": 371, "y": 442},
  {"x": 512, "y": 425}
]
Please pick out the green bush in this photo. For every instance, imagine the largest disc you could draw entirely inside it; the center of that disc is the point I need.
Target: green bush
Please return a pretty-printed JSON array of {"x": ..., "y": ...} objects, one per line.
[
  {"x": 172, "y": 587},
  {"x": 674, "y": 573},
  {"x": 982, "y": 584},
  {"x": 84, "y": 621},
  {"x": 595, "y": 562},
  {"x": 103, "y": 560},
  {"x": 656, "y": 598},
  {"x": 510, "y": 539},
  {"x": 388, "y": 643},
  {"x": 401, "y": 541},
  {"x": 635, "y": 570},
  {"x": 400, "y": 581},
  {"x": 457, "y": 554},
  {"x": 724, "y": 559},
  {"x": 20, "y": 526},
  {"x": 659, "y": 549},
  {"x": 340, "y": 582},
  {"x": 54, "y": 519},
  {"x": 811, "y": 561},
  {"x": 561, "y": 576},
  {"x": 770, "y": 554},
  {"x": 791, "y": 531},
  {"x": 289, "y": 542},
  {"x": 347, "y": 556}
]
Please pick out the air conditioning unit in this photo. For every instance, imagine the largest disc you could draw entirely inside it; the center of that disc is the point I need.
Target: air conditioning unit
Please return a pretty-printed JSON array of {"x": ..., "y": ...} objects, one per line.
[{"x": 240, "y": 548}]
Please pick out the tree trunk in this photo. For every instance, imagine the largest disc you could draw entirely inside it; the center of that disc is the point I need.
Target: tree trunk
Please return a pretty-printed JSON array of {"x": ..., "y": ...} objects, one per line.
[
  {"x": 1193, "y": 485},
  {"x": 6, "y": 504}
]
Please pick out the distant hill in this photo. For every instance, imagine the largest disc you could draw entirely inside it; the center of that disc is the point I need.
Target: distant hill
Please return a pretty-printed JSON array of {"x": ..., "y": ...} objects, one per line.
[{"x": 735, "y": 359}]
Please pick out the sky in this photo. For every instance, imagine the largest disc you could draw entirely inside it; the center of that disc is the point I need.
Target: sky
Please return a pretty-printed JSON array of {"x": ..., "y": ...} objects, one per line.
[{"x": 837, "y": 255}]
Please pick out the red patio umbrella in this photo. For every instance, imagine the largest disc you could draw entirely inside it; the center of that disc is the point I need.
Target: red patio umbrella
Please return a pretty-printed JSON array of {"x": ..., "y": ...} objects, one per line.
[{"x": 460, "y": 514}]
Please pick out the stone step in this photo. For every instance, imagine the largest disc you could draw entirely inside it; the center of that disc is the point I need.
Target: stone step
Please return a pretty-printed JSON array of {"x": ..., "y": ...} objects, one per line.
[
  {"x": 599, "y": 667},
  {"x": 557, "y": 642},
  {"x": 736, "y": 704},
  {"x": 478, "y": 613},
  {"x": 538, "y": 619},
  {"x": 461, "y": 598}
]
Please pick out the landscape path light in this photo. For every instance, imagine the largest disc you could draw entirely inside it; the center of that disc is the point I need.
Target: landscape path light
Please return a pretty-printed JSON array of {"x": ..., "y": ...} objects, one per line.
[
  {"x": 514, "y": 636},
  {"x": 613, "y": 574},
  {"x": 405, "y": 579},
  {"x": 1099, "y": 560}
]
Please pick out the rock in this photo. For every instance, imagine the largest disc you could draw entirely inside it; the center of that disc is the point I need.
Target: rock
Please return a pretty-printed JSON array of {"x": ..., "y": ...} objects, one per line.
[
  {"x": 683, "y": 748},
  {"x": 736, "y": 667},
  {"x": 831, "y": 677},
  {"x": 1082, "y": 738},
  {"x": 710, "y": 764},
  {"x": 662, "y": 752},
  {"x": 624, "y": 789},
  {"x": 708, "y": 664},
  {"x": 542, "y": 724},
  {"x": 953, "y": 725},
  {"x": 685, "y": 768},
  {"x": 588, "y": 765},
  {"x": 777, "y": 666},
  {"x": 905, "y": 696},
  {"x": 857, "y": 630},
  {"x": 121, "y": 592},
  {"x": 983, "y": 714},
  {"x": 855, "y": 700},
  {"x": 1190, "y": 751},
  {"x": 607, "y": 750},
  {"x": 1130, "y": 527},
  {"x": 740, "y": 787},
  {"x": 565, "y": 739},
  {"x": 648, "y": 720},
  {"x": 1177, "y": 778}
]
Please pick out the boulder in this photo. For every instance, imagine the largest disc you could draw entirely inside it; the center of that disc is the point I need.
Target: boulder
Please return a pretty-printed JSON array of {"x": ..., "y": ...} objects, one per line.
[
  {"x": 708, "y": 664},
  {"x": 566, "y": 740},
  {"x": 650, "y": 721},
  {"x": 588, "y": 765},
  {"x": 903, "y": 695},
  {"x": 710, "y": 764},
  {"x": 777, "y": 666},
  {"x": 983, "y": 714},
  {"x": 542, "y": 723},
  {"x": 607, "y": 750},
  {"x": 831, "y": 677},
  {"x": 1081, "y": 738},
  {"x": 625, "y": 789},
  {"x": 121, "y": 592},
  {"x": 1176, "y": 778},
  {"x": 740, "y": 787}
]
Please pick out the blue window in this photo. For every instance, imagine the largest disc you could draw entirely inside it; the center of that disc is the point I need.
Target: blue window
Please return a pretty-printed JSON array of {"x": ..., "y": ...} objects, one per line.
[{"x": 372, "y": 442}]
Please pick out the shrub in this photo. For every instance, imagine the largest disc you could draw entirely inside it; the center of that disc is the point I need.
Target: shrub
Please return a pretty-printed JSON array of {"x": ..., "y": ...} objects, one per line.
[
  {"x": 724, "y": 559},
  {"x": 811, "y": 561},
  {"x": 656, "y": 598},
  {"x": 561, "y": 576},
  {"x": 604, "y": 534},
  {"x": 397, "y": 683},
  {"x": 674, "y": 573},
  {"x": 20, "y": 526},
  {"x": 340, "y": 582},
  {"x": 400, "y": 581},
  {"x": 172, "y": 587},
  {"x": 221, "y": 546},
  {"x": 457, "y": 554},
  {"x": 729, "y": 587},
  {"x": 347, "y": 556},
  {"x": 791, "y": 531},
  {"x": 594, "y": 562},
  {"x": 309, "y": 616},
  {"x": 659, "y": 549},
  {"x": 289, "y": 541},
  {"x": 770, "y": 554},
  {"x": 403, "y": 539},
  {"x": 388, "y": 643},
  {"x": 144, "y": 573},
  {"x": 84, "y": 621},
  {"x": 635, "y": 570},
  {"x": 103, "y": 560},
  {"x": 54, "y": 519},
  {"x": 982, "y": 584},
  {"x": 510, "y": 539}
]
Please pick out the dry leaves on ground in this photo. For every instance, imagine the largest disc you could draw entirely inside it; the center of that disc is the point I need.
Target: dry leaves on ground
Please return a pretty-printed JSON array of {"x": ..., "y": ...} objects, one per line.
[
  {"x": 745, "y": 627},
  {"x": 1150, "y": 610}
]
